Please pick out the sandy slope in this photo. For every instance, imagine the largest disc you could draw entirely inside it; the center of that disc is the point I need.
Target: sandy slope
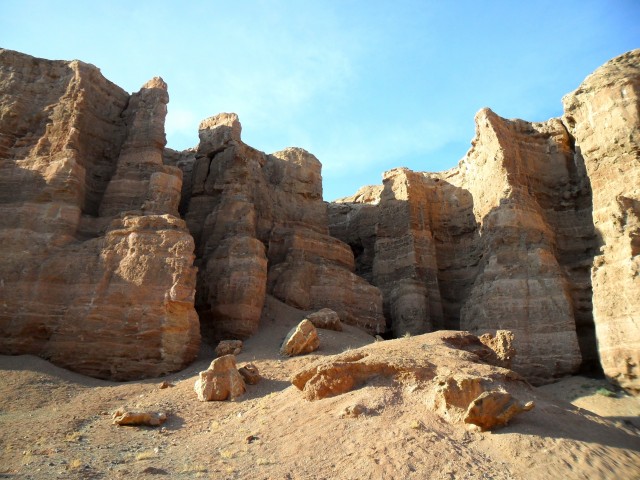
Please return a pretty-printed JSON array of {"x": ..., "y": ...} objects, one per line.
[{"x": 57, "y": 424}]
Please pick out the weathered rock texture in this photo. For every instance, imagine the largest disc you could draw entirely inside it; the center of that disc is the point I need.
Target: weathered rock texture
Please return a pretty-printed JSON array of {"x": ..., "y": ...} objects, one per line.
[
  {"x": 603, "y": 115},
  {"x": 260, "y": 226},
  {"x": 325, "y": 318},
  {"x": 221, "y": 381},
  {"x": 494, "y": 408},
  {"x": 301, "y": 339},
  {"x": 449, "y": 369},
  {"x": 507, "y": 239},
  {"x": 96, "y": 268},
  {"x": 487, "y": 245},
  {"x": 250, "y": 374},
  {"x": 229, "y": 347}
]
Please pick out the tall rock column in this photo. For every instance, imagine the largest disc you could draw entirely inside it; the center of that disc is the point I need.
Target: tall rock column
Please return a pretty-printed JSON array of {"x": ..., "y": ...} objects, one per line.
[
  {"x": 232, "y": 261},
  {"x": 603, "y": 115},
  {"x": 96, "y": 270},
  {"x": 260, "y": 227},
  {"x": 404, "y": 266},
  {"x": 520, "y": 285}
]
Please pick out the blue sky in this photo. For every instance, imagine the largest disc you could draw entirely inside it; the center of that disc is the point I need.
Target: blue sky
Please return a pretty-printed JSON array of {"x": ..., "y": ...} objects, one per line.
[{"x": 366, "y": 86}]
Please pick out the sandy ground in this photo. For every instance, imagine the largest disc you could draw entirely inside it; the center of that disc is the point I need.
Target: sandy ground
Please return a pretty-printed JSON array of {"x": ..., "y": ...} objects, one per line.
[{"x": 57, "y": 424}]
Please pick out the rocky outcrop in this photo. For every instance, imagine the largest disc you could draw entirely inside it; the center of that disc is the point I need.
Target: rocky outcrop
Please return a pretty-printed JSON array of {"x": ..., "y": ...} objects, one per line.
[
  {"x": 500, "y": 242},
  {"x": 260, "y": 226},
  {"x": 109, "y": 239},
  {"x": 507, "y": 239},
  {"x": 445, "y": 367},
  {"x": 96, "y": 269},
  {"x": 603, "y": 117}
]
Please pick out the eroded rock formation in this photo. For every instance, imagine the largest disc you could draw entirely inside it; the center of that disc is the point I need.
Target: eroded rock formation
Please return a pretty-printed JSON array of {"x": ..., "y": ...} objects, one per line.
[
  {"x": 103, "y": 230},
  {"x": 603, "y": 115},
  {"x": 507, "y": 239},
  {"x": 261, "y": 226},
  {"x": 449, "y": 369},
  {"x": 96, "y": 268}
]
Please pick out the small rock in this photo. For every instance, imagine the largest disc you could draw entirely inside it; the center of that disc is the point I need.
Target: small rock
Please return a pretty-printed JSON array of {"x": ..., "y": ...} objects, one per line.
[
  {"x": 501, "y": 343},
  {"x": 251, "y": 439},
  {"x": 250, "y": 374},
  {"x": 220, "y": 381},
  {"x": 155, "y": 471},
  {"x": 229, "y": 347},
  {"x": 353, "y": 411},
  {"x": 326, "y": 318},
  {"x": 300, "y": 340},
  {"x": 494, "y": 409},
  {"x": 152, "y": 419},
  {"x": 164, "y": 385}
]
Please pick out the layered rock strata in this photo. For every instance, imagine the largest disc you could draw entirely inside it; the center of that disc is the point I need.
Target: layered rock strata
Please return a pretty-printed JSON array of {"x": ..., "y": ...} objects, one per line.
[
  {"x": 96, "y": 269},
  {"x": 475, "y": 247},
  {"x": 507, "y": 239},
  {"x": 260, "y": 226},
  {"x": 603, "y": 116}
]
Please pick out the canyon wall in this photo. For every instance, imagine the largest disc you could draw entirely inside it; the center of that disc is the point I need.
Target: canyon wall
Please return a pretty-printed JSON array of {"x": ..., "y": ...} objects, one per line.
[
  {"x": 510, "y": 238},
  {"x": 96, "y": 267},
  {"x": 118, "y": 252},
  {"x": 603, "y": 115},
  {"x": 261, "y": 227}
]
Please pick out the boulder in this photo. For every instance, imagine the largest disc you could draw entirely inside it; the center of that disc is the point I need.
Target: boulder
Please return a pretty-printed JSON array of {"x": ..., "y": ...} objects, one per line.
[
  {"x": 221, "y": 381},
  {"x": 250, "y": 374},
  {"x": 229, "y": 347},
  {"x": 493, "y": 409},
  {"x": 137, "y": 418},
  {"x": 301, "y": 339},
  {"x": 325, "y": 318}
]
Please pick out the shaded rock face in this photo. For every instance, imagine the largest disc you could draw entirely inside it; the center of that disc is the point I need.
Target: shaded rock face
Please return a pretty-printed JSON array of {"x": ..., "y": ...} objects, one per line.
[
  {"x": 260, "y": 227},
  {"x": 96, "y": 267},
  {"x": 507, "y": 239},
  {"x": 603, "y": 115}
]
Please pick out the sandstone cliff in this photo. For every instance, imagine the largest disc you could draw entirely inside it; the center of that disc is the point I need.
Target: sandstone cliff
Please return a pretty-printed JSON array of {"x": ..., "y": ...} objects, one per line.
[
  {"x": 112, "y": 243},
  {"x": 603, "y": 115},
  {"x": 507, "y": 239},
  {"x": 96, "y": 268},
  {"x": 260, "y": 226}
]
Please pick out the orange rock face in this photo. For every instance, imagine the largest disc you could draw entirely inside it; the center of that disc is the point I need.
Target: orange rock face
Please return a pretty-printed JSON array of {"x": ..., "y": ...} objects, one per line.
[
  {"x": 509, "y": 239},
  {"x": 111, "y": 243},
  {"x": 260, "y": 226},
  {"x": 96, "y": 267}
]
